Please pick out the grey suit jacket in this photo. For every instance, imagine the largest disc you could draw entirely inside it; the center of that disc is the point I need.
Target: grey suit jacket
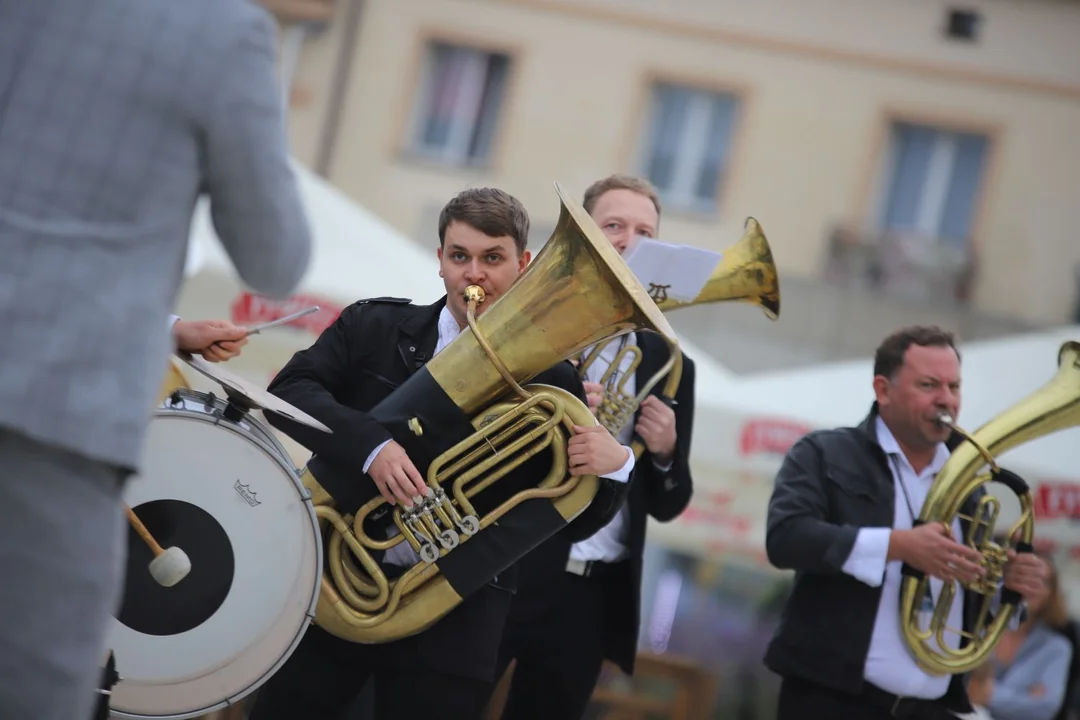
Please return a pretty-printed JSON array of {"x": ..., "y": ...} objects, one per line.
[{"x": 115, "y": 115}]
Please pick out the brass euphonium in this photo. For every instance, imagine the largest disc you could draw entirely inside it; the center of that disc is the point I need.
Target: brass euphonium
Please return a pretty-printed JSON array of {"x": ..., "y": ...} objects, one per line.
[
  {"x": 1053, "y": 407},
  {"x": 746, "y": 273},
  {"x": 466, "y": 421}
]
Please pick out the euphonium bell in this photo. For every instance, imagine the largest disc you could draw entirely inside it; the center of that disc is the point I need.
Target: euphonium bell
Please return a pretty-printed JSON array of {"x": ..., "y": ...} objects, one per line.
[
  {"x": 467, "y": 420},
  {"x": 1053, "y": 407},
  {"x": 746, "y": 273}
]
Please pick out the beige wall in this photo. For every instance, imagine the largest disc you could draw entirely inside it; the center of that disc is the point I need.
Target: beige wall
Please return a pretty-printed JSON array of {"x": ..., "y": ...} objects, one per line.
[{"x": 819, "y": 81}]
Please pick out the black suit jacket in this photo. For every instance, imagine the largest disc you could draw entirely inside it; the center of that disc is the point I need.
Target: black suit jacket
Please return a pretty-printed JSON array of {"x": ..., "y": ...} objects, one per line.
[
  {"x": 662, "y": 495},
  {"x": 372, "y": 349},
  {"x": 831, "y": 483}
]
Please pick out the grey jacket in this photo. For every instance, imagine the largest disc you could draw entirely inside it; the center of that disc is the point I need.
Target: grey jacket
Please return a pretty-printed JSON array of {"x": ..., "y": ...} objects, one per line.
[{"x": 115, "y": 115}]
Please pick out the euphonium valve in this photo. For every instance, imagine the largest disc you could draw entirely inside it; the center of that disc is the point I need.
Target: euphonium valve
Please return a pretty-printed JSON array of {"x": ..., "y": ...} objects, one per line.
[
  {"x": 1053, "y": 407},
  {"x": 470, "y": 423}
]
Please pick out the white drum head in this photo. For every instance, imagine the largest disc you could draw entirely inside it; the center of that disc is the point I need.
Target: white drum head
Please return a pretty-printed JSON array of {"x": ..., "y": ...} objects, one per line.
[{"x": 239, "y": 512}]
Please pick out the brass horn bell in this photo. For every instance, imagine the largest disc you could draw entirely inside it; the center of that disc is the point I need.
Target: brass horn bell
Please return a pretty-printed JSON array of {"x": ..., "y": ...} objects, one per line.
[
  {"x": 467, "y": 420},
  {"x": 746, "y": 273}
]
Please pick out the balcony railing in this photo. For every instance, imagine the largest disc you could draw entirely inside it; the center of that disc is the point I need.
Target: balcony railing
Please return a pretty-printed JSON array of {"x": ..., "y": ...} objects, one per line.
[{"x": 896, "y": 263}]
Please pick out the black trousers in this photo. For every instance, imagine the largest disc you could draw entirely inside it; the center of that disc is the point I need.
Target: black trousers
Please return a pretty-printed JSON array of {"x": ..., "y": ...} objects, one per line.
[
  {"x": 800, "y": 699},
  {"x": 557, "y": 633},
  {"x": 324, "y": 676}
]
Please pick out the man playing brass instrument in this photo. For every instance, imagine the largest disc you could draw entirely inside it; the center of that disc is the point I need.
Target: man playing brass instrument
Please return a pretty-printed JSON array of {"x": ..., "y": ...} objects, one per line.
[
  {"x": 374, "y": 347},
  {"x": 579, "y": 603},
  {"x": 842, "y": 515}
]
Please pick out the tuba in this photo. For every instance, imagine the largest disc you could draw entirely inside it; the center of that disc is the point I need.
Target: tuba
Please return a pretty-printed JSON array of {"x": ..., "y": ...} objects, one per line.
[
  {"x": 746, "y": 273},
  {"x": 1053, "y": 407},
  {"x": 469, "y": 418}
]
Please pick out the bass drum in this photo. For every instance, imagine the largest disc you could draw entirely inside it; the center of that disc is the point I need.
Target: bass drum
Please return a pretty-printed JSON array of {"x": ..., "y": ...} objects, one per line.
[{"x": 218, "y": 485}]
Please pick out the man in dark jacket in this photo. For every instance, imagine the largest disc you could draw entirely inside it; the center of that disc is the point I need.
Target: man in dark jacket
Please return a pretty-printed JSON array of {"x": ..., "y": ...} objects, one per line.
[
  {"x": 580, "y": 603},
  {"x": 374, "y": 347},
  {"x": 842, "y": 515}
]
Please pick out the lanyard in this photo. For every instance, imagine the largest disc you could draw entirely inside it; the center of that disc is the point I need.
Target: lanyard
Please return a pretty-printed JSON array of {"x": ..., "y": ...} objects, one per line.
[
  {"x": 903, "y": 487},
  {"x": 928, "y": 598}
]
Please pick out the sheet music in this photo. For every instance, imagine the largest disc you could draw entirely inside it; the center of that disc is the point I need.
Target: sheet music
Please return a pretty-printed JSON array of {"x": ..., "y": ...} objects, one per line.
[{"x": 678, "y": 272}]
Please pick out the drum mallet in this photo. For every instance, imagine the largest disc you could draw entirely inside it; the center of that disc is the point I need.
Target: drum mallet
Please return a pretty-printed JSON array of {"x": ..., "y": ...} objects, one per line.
[{"x": 168, "y": 566}]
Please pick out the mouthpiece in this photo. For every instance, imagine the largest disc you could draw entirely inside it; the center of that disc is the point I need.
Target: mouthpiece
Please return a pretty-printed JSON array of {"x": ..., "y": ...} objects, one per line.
[
  {"x": 945, "y": 420},
  {"x": 474, "y": 293}
]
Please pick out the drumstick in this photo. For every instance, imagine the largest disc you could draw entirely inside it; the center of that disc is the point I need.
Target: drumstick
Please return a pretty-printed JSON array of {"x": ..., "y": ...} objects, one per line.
[
  {"x": 168, "y": 566},
  {"x": 273, "y": 323},
  {"x": 281, "y": 321}
]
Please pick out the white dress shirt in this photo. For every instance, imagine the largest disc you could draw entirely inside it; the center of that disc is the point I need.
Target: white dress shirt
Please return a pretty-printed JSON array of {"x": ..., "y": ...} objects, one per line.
[
  {"x": 889, "y": 663},
  {"x": 609, "y": 543},
  {"x": 402, "y": 553}
]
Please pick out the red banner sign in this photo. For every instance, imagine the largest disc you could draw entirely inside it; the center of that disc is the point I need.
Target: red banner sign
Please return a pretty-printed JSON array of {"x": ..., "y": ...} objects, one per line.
[
  {"x": 771, "y": 437},
  {"x": 1059, "y": 500},
  {"x": 251, "y": 309},
  {"x": 714, "y": 510}
]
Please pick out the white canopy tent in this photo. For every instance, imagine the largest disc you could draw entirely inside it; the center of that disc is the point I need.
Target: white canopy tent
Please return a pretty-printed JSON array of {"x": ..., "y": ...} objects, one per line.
[
  {"x": 996, "y": 375},
  {"x": 355, "y": 255}
]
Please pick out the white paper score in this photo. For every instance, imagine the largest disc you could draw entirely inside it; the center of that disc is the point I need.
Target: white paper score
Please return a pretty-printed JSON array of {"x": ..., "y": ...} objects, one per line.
[{"x": 670, "y": 271}]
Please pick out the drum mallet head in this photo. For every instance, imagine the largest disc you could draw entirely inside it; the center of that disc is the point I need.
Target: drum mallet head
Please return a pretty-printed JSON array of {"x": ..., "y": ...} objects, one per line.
[{"x": 168, "y": 566}]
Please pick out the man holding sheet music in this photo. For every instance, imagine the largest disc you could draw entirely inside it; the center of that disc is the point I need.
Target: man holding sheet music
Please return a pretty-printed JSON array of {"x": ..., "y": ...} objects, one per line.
[{"x": 578, "y": 604}]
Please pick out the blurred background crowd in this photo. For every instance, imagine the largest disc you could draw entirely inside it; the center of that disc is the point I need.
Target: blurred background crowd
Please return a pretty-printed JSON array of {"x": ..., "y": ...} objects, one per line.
[{"x": 910, "y": 162}]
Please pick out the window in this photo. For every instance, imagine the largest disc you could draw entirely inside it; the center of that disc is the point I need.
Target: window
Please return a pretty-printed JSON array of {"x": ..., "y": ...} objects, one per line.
[
  {"x": 932, "y": 180},
  {"x": 688, "y": 145},
  {"x": 460, "y": 94}
]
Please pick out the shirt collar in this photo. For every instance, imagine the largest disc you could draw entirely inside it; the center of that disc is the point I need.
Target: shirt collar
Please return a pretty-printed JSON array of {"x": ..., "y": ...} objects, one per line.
[
  {"x": 888, "y": 443},
  {"x": 448, "y": 329}
]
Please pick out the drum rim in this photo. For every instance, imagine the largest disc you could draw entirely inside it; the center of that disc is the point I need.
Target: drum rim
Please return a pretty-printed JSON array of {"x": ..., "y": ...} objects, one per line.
[
  {"x": 294, "y": 474},
  {"x": 267, "y": 432}
]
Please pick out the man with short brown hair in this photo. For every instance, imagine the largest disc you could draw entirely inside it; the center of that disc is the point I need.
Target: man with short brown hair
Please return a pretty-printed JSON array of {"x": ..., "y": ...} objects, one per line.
[
  {"x": 492, "y": 211},
  {"x": 843, "y": 515},
  {"x": 373, "y": 348}
]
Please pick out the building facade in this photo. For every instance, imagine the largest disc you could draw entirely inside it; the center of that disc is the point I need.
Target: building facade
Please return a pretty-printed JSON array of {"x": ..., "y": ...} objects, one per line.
[{"x": 909, "y": 162}]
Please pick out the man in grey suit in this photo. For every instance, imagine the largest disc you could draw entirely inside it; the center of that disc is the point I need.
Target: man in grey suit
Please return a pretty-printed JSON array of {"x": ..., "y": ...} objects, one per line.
[{"x": 115, "y": 115}]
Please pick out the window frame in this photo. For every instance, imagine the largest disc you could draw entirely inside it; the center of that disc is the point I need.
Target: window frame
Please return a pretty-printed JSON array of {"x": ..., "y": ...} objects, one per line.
[{"x": 639, "y": 147}]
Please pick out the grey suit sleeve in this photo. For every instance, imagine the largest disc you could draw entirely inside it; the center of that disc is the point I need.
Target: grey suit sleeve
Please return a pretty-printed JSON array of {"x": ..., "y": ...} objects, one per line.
[
  {"x": 254, "y": 198},
  {"x": 798, "y": 534}
]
